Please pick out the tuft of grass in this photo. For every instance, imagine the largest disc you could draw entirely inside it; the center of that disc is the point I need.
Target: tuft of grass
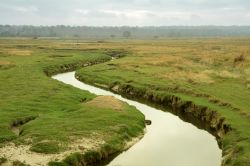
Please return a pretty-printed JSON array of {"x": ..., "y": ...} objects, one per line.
[
  {"x": 19, "y": 163},
  {"x": 46, "y": 147},
  {"x": 2, "y": 160},
  {"x": 74, "y": 159}
]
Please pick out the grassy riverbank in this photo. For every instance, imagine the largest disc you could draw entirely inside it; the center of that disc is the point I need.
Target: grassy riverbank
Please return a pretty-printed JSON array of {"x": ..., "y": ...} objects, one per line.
[
  {"x": 214, "y": 73},
  {"x": 42, "y": 119}
]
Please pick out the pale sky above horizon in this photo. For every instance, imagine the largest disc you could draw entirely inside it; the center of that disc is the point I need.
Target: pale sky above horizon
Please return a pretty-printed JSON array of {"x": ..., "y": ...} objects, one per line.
[{"x": 125, "y": 12}]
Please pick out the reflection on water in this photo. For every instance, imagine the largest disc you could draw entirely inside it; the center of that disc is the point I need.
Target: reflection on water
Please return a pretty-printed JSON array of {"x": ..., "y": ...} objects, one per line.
[{"x": 169, "y": 141}]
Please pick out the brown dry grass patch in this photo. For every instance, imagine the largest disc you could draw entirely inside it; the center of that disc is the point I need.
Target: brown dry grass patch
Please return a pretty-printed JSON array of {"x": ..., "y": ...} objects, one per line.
[
  {"x": 106, "y": 102},
  {"x": 188, "y": 76},
  {"x": 167, "y": 60},
  {"x": 5, "y": 63},
  {"x": 223, "y": 73},
  {"x": 18, "y": 52}
]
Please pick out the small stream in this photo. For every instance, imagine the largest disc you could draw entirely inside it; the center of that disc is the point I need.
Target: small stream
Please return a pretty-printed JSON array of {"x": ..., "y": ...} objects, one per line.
[{"x": 168, "y": 141}]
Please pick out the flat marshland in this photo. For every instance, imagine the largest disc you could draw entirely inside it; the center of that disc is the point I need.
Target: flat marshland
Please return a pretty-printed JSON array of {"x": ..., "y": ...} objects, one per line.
[
  {"x": 43, "y": 120},
  {"x": 210, "y": 72},
  {"x": 47, "y": 117}
]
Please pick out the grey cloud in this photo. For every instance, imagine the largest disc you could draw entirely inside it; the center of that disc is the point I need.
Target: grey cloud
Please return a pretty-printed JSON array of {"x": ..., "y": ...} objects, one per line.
[{"x": 125, "y": 12}]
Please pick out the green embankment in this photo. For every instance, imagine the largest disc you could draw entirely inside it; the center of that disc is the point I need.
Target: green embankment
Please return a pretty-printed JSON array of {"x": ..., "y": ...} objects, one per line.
[
  {"x": 51, "y": 115},
  {"x": 211, "y": 73}
]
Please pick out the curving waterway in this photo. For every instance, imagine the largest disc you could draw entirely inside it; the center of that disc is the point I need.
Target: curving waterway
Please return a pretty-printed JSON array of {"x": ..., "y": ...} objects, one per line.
[{"x": 168, "y": 141}]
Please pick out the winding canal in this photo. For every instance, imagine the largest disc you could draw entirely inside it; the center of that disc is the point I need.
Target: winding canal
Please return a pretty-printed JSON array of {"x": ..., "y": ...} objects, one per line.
[{"x": 168, "y": 141}]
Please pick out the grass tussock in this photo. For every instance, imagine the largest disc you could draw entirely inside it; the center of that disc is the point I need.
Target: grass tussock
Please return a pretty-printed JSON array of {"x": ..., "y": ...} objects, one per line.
[
  {"x": 19, "y": 163},
  {"x": 107, "y": 102},
  {"x": 2, "y": 160},
  {"x": 46, "y": 147}
]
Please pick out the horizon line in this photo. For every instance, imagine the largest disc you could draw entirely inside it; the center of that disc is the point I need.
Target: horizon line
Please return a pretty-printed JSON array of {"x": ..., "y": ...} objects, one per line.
[{"x": 135, "y": 26}]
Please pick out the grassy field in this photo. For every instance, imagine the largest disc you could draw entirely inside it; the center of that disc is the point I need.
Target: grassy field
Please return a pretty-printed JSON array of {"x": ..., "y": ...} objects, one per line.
[
  {"x": 39, "y": 115},
  {"x": 53, "y": 119},
  {"x": 212, "y": 72}
]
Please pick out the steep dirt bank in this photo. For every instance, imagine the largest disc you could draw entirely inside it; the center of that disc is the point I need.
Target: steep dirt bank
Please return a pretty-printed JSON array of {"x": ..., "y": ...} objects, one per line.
[{"x": 201, "y": 116}]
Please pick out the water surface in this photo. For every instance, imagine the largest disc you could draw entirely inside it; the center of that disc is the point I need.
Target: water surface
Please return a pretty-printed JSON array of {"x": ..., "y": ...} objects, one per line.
[{"x": 169, "y": 141}]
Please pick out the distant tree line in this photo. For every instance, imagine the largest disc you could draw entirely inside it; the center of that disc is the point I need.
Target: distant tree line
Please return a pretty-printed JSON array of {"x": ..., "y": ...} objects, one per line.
[{"x": 63, "y": 31}]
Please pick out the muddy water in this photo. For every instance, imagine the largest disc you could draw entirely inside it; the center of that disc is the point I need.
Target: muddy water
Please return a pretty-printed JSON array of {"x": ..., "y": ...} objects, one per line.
[{"x": 169, "y": 141}]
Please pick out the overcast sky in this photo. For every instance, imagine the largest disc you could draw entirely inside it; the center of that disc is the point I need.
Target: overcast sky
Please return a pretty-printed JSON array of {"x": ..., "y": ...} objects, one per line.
[{"x": 125, "y": 12}]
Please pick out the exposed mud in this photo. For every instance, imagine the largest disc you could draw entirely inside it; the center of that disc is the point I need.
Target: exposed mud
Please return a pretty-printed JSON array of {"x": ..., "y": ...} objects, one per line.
[{"x": 23, "y": 154}]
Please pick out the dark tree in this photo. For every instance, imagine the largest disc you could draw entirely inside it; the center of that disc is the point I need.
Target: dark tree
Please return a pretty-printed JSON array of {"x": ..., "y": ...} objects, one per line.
[{"x": 126, "y": 34}]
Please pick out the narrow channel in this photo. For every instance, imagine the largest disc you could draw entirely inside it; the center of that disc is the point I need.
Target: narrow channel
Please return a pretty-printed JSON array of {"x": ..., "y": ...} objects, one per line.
[{"x": 168, "y": 141}]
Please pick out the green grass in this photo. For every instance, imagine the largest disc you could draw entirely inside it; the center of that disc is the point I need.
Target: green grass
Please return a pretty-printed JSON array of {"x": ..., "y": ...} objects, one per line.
[
  {"x": 46, "y": 147},
  {"x": 18, "y": 163},
  {"x": 60, "y": 116},
  {"x": 2, "y": 160},
  {"x": 200, "y": 70}
]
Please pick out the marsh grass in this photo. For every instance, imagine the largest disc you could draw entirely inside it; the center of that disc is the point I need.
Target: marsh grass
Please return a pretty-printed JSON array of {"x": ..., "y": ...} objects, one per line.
[
  {"x": 46, "y": 147},
  {"x": 18, "y": 163},
  {"x": 61, "y": 115},
  {"x": 204, "y": 71}
]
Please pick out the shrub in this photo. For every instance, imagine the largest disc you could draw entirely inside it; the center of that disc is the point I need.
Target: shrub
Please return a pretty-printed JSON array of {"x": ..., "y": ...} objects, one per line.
[{"x": 240, "y": 58}]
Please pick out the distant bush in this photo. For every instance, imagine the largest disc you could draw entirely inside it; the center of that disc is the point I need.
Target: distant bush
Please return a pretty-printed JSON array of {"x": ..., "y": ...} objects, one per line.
[
  {"x": 126, "y": 34},
  {"x": 216, "y": 48},
  {"x": 240, "y": 58}
]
